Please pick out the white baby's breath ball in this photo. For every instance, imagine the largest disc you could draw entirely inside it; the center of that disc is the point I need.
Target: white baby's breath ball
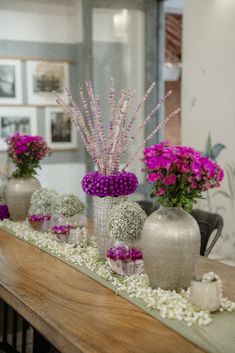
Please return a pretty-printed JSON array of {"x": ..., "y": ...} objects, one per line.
[{"x": 126, "y": 222}]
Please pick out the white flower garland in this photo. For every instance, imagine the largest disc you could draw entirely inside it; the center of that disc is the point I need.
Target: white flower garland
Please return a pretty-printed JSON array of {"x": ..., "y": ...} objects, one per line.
[{"x": 170, "y": 304}]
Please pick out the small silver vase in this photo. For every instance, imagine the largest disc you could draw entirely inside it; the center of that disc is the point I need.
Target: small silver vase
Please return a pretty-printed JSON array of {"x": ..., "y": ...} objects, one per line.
[
  {"x": 170, "y": 244},
  {"x": 101, "y": 211},
  {"x": 18, "y": 195}
]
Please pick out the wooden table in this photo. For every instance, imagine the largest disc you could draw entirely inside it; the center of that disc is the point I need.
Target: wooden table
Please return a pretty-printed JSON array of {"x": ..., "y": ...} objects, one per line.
[{"x": 77, "y": 314}]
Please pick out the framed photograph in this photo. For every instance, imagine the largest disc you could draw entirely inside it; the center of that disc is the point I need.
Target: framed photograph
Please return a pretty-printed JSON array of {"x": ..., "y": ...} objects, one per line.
[
  {"x": 60, "y": 133},
  {"x": 10, "y": 82},
  {"x": 13, "y": 119},
  {"x": 43, "y": 79}
]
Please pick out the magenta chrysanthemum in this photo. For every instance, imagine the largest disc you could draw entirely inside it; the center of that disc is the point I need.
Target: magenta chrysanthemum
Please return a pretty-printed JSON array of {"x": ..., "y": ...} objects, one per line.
[{"x": 119, "y": 184}]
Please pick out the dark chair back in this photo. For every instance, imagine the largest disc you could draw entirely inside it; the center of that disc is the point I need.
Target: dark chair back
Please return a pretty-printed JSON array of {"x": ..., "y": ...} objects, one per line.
[
  {"x": 208, "y": 222},
  {"x": 148, "y": 206}
]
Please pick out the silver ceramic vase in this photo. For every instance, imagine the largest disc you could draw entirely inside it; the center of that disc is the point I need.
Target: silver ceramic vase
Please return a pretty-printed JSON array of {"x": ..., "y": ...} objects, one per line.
[
  {"x": 18, "y": 195},
  {"x": 171, "y": 245},
  {"x": 101, "y": 211}
]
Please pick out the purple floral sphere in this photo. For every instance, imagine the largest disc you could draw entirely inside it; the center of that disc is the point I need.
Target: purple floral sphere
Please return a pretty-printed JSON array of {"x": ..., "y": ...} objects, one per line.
[{"x": 119, "y": 184}]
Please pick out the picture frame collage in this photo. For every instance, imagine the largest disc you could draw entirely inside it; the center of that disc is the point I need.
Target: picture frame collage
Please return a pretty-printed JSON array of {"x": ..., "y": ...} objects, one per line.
[{"x": 20, "y": 99}]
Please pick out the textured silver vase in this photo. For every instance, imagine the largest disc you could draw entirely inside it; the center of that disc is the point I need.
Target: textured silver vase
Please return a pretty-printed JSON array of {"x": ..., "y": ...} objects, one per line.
[
  {"x": 101, "y": 211},
  {"x": 18, "y": 195},
  {"x": 170, "y": 244}
]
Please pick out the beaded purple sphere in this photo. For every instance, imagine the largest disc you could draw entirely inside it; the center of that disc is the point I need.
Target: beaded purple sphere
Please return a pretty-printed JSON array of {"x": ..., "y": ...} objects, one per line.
[{"x": 119, "y": 184}]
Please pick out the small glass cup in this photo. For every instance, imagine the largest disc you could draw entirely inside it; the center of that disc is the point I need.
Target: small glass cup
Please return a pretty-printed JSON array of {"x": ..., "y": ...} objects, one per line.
[
  {"x": 38, "y": 220},
  {"x": 205, "y": 295},
  {"x": 125, "y": 260},
  {"x": 61, "y": 233}
]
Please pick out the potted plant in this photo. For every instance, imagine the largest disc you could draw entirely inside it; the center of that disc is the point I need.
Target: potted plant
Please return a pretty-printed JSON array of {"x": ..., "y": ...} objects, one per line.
[
  {"x": 26, "y": 152},
  {"x": 171, "y": 237},
  {"x": 42, "y": 208}
]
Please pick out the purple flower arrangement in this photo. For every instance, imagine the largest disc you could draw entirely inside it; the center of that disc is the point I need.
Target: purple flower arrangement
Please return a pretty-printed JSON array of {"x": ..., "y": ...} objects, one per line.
[
  {"x": 125, "y": 261},
  {"x": 4, "y": 212},
  {"x": 39, "y": 218},
  {"x": 121, "y": 183},
  {"x": 26, "y": 152},
  {"x": 124, "y": 253},
  {"x": 179, "y": 174},
  {"x": 62, "y": 229},
  {"x": 107, "y": 151},
  {"x": 39, "y": 222}
]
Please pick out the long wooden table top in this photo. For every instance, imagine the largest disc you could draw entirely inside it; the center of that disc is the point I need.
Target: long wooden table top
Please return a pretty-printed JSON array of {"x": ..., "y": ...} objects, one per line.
[{"x": 77, "y": 314}]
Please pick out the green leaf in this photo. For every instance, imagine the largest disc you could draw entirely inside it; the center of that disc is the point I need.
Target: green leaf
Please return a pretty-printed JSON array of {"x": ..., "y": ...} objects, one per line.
[
  {"x": 208, "y": 146},
  {"x": 215, "y": 151}
]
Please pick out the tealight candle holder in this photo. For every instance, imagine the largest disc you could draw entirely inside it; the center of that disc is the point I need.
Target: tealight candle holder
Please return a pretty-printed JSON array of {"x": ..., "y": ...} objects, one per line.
[
  {"x": 205, "y": 295},
  {"x": 61, "y": 233}
]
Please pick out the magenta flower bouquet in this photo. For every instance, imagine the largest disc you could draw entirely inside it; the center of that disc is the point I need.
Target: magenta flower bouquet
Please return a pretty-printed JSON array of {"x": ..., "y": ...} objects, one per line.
[
  {"x": 179, "y": 174},
  {"x": 26, "y": 152}
]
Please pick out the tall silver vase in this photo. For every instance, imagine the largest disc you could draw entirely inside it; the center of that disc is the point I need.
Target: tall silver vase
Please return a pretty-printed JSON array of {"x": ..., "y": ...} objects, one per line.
[
  {"x": 18, "y": 195},
  {"x": 101, "y": 211},
  {"x": 170, "y": 244}
]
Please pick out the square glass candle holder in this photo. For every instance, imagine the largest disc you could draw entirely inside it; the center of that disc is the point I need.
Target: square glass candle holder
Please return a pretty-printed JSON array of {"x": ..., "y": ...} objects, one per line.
[{"x": 205, "y": 295}]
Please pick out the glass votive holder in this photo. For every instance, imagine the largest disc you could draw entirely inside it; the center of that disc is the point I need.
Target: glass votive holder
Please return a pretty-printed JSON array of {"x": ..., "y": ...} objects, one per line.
[
  {"x": 40, "y": 222},
  {"x": 77, "y": 220},
  {"x": 205, "y": 295},
  {"x": 125, "y": 260},
  {"x": 78, "y": 235},
  {"x": 61, "y": 233}
]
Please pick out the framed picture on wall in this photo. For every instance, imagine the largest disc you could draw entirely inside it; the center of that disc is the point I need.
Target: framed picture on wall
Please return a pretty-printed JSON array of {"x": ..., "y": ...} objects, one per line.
[
  {"x": 60, "y": 133},
  {"x": 43, "y": 79},
  {"x": 13, "y": 119},
  {"x": 10, "y": 82}
]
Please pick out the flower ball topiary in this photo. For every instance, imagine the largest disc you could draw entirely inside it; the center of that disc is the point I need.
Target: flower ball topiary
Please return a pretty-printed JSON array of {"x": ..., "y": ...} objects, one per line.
[
  {"x": 126, "y": 222},
  {"x": 44, "y": 199},
  {"x": 69, "y": 205}
]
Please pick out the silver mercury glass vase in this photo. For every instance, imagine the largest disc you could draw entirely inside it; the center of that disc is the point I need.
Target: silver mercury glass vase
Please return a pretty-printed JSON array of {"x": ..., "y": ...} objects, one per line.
[
  {"x": 18, "y": 194},
  {"x": 101, "y": 211},
  {"x": 170, "y": 244}
]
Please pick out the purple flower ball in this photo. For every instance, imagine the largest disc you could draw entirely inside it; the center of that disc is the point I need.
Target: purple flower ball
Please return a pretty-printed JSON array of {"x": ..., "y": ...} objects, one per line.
[{"x": 119, "y": 184}]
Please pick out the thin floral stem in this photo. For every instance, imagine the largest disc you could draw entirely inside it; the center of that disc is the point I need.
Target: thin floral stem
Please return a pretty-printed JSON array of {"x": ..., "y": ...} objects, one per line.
[{"x": 175, "y": 112}]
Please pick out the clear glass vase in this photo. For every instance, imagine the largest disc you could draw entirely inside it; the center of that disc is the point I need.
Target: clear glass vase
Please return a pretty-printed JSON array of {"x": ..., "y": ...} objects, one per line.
[
  {"x": 101, "y": 211},
  {"x": 38, "y": 219}
]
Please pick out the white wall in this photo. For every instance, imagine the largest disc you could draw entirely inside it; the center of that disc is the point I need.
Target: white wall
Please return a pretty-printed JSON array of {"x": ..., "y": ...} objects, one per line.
[
  {"x": 208, "y": 97},
  {"x": 41, "y": 22},
  {"x": 64, "y": 177}
]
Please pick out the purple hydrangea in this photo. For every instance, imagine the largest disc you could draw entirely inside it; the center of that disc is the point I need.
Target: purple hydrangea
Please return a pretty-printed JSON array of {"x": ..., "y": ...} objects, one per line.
[
  {"x": 4, "y": 212},
  {"x": 121, "y": 183}
]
